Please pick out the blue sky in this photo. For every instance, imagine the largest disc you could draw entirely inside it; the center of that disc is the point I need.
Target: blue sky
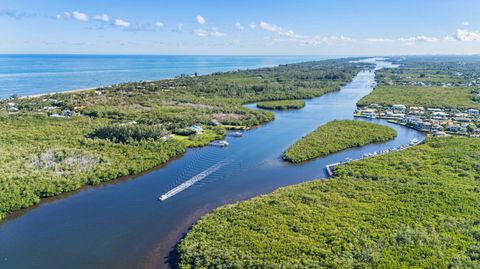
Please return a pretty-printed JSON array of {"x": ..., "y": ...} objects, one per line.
[{"x": 247, "y": 27}]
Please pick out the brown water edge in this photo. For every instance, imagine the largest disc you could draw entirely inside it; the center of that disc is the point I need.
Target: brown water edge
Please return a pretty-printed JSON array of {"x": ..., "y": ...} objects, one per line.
[
  {"x": 87, "y": 187},
  {"x": 157, "y": 259}
]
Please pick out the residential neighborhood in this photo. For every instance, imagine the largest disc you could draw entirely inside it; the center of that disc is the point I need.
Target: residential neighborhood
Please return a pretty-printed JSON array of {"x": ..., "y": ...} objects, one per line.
[{"x": 436, "y": 121}]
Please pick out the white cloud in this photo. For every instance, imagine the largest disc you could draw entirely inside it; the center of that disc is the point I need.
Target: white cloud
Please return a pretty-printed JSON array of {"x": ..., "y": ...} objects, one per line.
[
  {"x": 239, "y": 26},
  {"x": 420, "y": 38},
  {"x": 159, "y": 24},
  {"x": 410, "y": 40},
  {"x": 466, "y": 23},
  {"x": 277, "y": 29},
  {"x": 205, "y": 33},
  {"x": 103, "y": 17},
  {"x": 270, "y": 27},
  {"x": 65, "y": 15},
  {"x": 465, "y": 35},
  {"x": 121, "y": 23},
  {"x": 253, "y": 25},
  {"x": 319, "y": 40},
  {"x": 290, "y": 35},
  {"x": 79, "y": 16},
  {"x": 201, "y": 20},
  {"x": 379, "y": 40}
]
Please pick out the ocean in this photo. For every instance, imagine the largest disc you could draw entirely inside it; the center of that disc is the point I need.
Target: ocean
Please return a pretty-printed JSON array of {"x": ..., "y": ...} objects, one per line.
[{"x": 26, "y": 75}]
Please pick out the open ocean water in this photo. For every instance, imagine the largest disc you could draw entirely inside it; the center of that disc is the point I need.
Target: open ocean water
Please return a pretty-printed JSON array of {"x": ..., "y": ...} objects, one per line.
[{"x": 26, "y": 75}]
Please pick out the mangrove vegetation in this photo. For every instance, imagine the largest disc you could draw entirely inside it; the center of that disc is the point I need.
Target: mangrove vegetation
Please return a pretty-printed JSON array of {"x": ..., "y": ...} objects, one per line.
[
  {"x": 57, "y": 143},
  {"x": 336, "y": 136},
  {"x": 416, "y": 208},
  {"x": 282, "y": 105}
]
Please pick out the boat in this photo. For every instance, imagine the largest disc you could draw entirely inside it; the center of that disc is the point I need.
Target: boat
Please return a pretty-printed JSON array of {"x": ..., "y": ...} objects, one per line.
[
  {"x": 220, "y": 143},
  {"x": 236, "y": 134},
  {"x": 414, "y": 142}
]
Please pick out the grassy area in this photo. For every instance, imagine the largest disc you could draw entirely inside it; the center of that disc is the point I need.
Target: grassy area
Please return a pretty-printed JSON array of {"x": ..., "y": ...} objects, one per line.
[
  {"x": 282, "y": 105},
  {"x": 417, "y": 208},
  {"x": 120, "y": 130},
  {"x": 198, "y": 140},
  {"x": 443, "y": 97},
  {"x": 336, "y": 136}
]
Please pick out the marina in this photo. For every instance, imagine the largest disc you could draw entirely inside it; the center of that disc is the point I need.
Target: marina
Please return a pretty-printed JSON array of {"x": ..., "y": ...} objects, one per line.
[{"x": 329, "y": 168}]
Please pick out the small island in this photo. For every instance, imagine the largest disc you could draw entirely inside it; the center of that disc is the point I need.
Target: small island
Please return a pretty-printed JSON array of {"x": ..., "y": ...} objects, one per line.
[
  {"x": 282, "y": 105},
  {"x": 336, "y": 136}
]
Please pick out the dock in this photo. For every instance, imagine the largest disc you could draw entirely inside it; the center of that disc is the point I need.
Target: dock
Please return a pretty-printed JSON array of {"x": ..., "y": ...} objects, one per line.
[{"x": 331, "y": 167}]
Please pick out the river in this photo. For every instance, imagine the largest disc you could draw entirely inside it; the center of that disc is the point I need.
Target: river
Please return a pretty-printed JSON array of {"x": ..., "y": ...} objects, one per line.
[{"x": 121, "y": 224}]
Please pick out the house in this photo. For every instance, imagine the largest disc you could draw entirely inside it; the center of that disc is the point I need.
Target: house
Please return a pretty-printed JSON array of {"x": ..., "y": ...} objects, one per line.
[
  {"x": 398, "y": 115},
  {"x": 375, "y": 106},
  {"x": 434, "y": 109},
  {"x": 472, "y": 111},
  {"x": 196, "y": 128},
  {"x": 453, "y": 128},
  {"x": 462, "y": 119},
  {"x": 369, "y": 113},
  {"x": 426, "y": 126},
  {"x": 439, "y": 133},
  {"x": 411, "y": 120},
  {"x": 416, "y": 110},
  {"x": 68, "y": 113},
  {"x": 399, "y": 107},
  {"x": 214, "y": 123},
  {"x": 56, "y": 116}
]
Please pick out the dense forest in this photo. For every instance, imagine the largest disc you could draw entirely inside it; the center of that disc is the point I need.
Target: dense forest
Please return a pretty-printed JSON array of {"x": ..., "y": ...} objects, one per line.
[
  {"x": 336, "y": 136},
  {"x": 442, "y": 81},
  {"x": 56, "y": 143},
  {"x": 416, "y": 208},
  {"x": 435, "y": 96},
  {"x": 282, "y": 105}
]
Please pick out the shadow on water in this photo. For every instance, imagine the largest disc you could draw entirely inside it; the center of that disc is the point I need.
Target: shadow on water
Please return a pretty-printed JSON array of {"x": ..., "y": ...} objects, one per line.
[{"x": 122, "y": 225}]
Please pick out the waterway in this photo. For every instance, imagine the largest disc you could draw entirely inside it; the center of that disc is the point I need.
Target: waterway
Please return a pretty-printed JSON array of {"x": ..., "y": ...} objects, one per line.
[{"x": 122, "y": 224}]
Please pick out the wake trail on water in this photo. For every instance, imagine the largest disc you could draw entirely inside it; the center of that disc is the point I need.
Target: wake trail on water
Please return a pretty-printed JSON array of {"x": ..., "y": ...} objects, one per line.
[{"x": 192, "y": 181}]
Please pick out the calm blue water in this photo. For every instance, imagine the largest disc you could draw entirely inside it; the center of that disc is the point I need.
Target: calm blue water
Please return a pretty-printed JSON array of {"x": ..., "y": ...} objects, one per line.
[
  {"x": 121, "y": 224},
  {"x": 36, "y": 74}
]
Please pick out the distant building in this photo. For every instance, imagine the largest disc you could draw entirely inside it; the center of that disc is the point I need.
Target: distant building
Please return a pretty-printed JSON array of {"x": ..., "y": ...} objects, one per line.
[
  {"x": 472, "y": 111},
  {"x": 196, "y": 128},
  {"x": 399, "y": 107},
  {"x": 214, "y": 123}
]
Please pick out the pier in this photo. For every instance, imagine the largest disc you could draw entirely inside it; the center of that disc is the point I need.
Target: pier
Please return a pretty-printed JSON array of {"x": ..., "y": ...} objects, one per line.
[{"x": 331, "y": 167}]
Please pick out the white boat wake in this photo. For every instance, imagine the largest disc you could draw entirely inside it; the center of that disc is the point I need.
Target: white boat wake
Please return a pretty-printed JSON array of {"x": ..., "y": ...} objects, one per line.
[{"x": 191, "y": 181}]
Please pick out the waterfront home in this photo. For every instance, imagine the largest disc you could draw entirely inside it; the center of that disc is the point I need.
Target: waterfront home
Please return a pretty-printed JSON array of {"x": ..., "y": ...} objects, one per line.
[
  {"x": 196, "y": 128},
  {"x": 462, "y": 119},
  {"x": 49, "y": 107},
  {"x": 434, "y": 109},
  {"x": 68, "y": 113},
  {"x": 439, "y": 133},
  {"x": 398, "y": 115},
  {"x": 472, "y": 111},
  {"x": 453, "y": 128},
  {"x": 411, "y": 120},
  {"x": 371, "y": 113},
  {"x": 399, "y": 108},
  {"x": 375, "y": 106},
  {"x": 56, "y": 116},
  {"x": 426, "y": 126},
  {"x": 214, "y": 123},
  {"x": 416, "y": 110}
]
